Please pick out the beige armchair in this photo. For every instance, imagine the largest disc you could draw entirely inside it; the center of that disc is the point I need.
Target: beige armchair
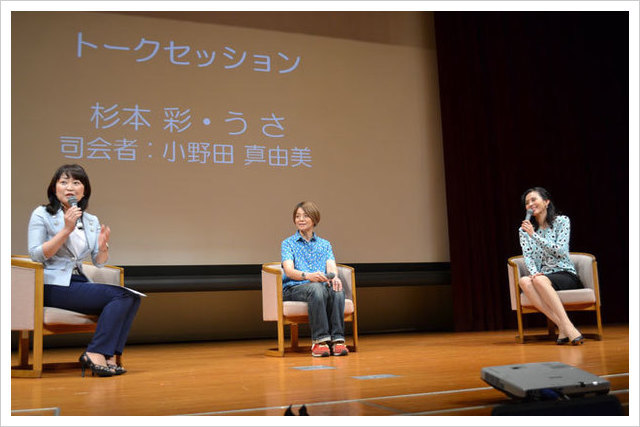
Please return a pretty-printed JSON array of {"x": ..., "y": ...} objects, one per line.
[
  {"x": 28, "y": 314},
  {"x": 586, "y": 299},
  {"x": 294, "y": 313}
]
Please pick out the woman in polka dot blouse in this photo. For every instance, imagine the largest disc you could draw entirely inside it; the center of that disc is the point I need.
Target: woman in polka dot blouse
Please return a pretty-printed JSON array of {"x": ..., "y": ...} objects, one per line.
[{"x": 545, "y": 246}]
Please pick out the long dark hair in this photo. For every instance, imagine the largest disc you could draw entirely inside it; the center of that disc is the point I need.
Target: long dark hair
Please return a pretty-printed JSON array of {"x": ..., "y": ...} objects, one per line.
[
  {"x": 552, "y": 213},
  {"x": 74, "y": 172}
]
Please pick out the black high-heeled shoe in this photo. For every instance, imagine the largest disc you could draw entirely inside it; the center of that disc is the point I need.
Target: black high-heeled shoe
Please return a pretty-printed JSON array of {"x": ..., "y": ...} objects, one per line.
[
  {"x": 562, "y": 341},
  {"x": 99, "y": 370},
  {"x": 577, "y": 340},
  {"x": 117, "y": 369}
]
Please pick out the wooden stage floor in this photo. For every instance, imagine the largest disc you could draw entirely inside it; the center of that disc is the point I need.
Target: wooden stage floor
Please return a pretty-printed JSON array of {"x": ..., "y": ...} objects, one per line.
[{"x": 392, "y": 374}]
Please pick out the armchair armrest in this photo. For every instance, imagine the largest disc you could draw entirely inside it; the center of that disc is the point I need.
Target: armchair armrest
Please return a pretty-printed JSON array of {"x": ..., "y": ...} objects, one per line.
[
  {"x": 271, "y": 291},
  {"x": 106, "y": 274},
  {"x": 345, "y": 273},
  {"x": 27, "y": 293}
]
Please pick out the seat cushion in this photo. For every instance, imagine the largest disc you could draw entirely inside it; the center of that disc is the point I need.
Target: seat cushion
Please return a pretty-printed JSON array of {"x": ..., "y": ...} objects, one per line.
[
  {"x": 572, "y": 296},
  {"x": 299, "y": 308},
  {"x": 58, "y": 316}
]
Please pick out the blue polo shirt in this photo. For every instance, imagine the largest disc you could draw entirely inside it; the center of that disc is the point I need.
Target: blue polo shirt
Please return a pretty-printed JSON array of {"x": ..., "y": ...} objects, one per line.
[{"x": 308, "y": 256}]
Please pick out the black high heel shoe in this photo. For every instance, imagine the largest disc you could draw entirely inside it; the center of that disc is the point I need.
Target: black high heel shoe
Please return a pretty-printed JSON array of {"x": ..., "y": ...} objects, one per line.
[
  {"x": 561, "y": 341},
  {"x": 577, "y": 340},
  {"x": 117, "y": 369},
  {"x": 99, "y": 370}
]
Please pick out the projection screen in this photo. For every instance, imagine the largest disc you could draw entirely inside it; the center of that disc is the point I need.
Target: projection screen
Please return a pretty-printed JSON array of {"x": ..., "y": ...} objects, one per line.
[{"x": 199, "y": 139}]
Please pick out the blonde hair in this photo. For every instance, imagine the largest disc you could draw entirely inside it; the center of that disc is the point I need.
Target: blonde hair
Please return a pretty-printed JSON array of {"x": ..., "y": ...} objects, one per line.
[{"x": 311, "y": 209}]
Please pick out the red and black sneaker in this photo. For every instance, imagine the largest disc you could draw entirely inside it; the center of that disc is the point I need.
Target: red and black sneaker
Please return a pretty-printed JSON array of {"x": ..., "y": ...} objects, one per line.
[
  {"x": 320, "y": 350},
  {"x": 339, "y": 349}
]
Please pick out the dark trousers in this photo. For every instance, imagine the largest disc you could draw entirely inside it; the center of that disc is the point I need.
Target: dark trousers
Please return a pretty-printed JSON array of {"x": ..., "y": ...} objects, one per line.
[
  {"x": 326, "y": 309},
  {"x": 116, "y": 308}
]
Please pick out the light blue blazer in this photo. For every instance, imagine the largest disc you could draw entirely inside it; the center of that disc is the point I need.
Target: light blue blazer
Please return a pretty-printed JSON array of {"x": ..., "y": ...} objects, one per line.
[{"x": 57, "y": 269}]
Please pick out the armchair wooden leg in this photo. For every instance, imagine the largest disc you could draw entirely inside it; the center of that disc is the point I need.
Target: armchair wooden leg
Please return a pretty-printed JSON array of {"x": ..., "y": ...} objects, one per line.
[
  {"x": 599, "y": 321},
  {"x": 355, "y": 336},
  {"x": 520, "y": 336},
  {"x": 294, "y": 336},
  {"x": 551, "y": 329},
  {"x": 23, "y": 349},
  {"x": 24, "y": 370},
  {"x": 37, "y": 349},
  {"x": 279, "y": 352}
]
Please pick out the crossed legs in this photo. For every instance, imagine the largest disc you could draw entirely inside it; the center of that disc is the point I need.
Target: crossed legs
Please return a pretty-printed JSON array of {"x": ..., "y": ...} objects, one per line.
[{"x": 543, "y": 297}]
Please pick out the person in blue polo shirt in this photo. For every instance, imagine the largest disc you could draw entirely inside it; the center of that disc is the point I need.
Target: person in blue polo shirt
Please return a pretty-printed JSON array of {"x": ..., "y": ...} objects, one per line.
[{"x": 307, "y": 260}]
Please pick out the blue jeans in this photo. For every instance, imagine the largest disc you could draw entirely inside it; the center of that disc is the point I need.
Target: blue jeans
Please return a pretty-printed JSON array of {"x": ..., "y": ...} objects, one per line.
[
  {"x": 116, "y": 307},
  {"x": 326, "y": 309}
]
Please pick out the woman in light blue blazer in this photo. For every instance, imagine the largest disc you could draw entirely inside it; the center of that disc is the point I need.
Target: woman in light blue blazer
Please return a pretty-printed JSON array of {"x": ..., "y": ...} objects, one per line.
[{"x": 61, "y": 236}]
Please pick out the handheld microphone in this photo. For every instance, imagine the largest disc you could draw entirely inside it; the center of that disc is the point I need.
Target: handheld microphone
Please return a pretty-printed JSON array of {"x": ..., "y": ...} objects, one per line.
[
  {"x": 528, "y": 216},
  {"x": 74, "y": 202},
  {"x": 329, "y": 276}
]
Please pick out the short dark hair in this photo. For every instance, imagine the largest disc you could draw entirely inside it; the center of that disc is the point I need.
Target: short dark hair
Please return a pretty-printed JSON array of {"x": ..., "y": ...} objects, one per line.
[
  {"x": 551, "y": 208},
  {"x": 311, "y": 209},
  {"x": 72, "y": 171}
]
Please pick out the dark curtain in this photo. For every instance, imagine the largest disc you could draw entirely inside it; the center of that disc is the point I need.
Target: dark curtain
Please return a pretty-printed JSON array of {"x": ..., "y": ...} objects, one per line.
[{"x": 533, "y": 99}]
